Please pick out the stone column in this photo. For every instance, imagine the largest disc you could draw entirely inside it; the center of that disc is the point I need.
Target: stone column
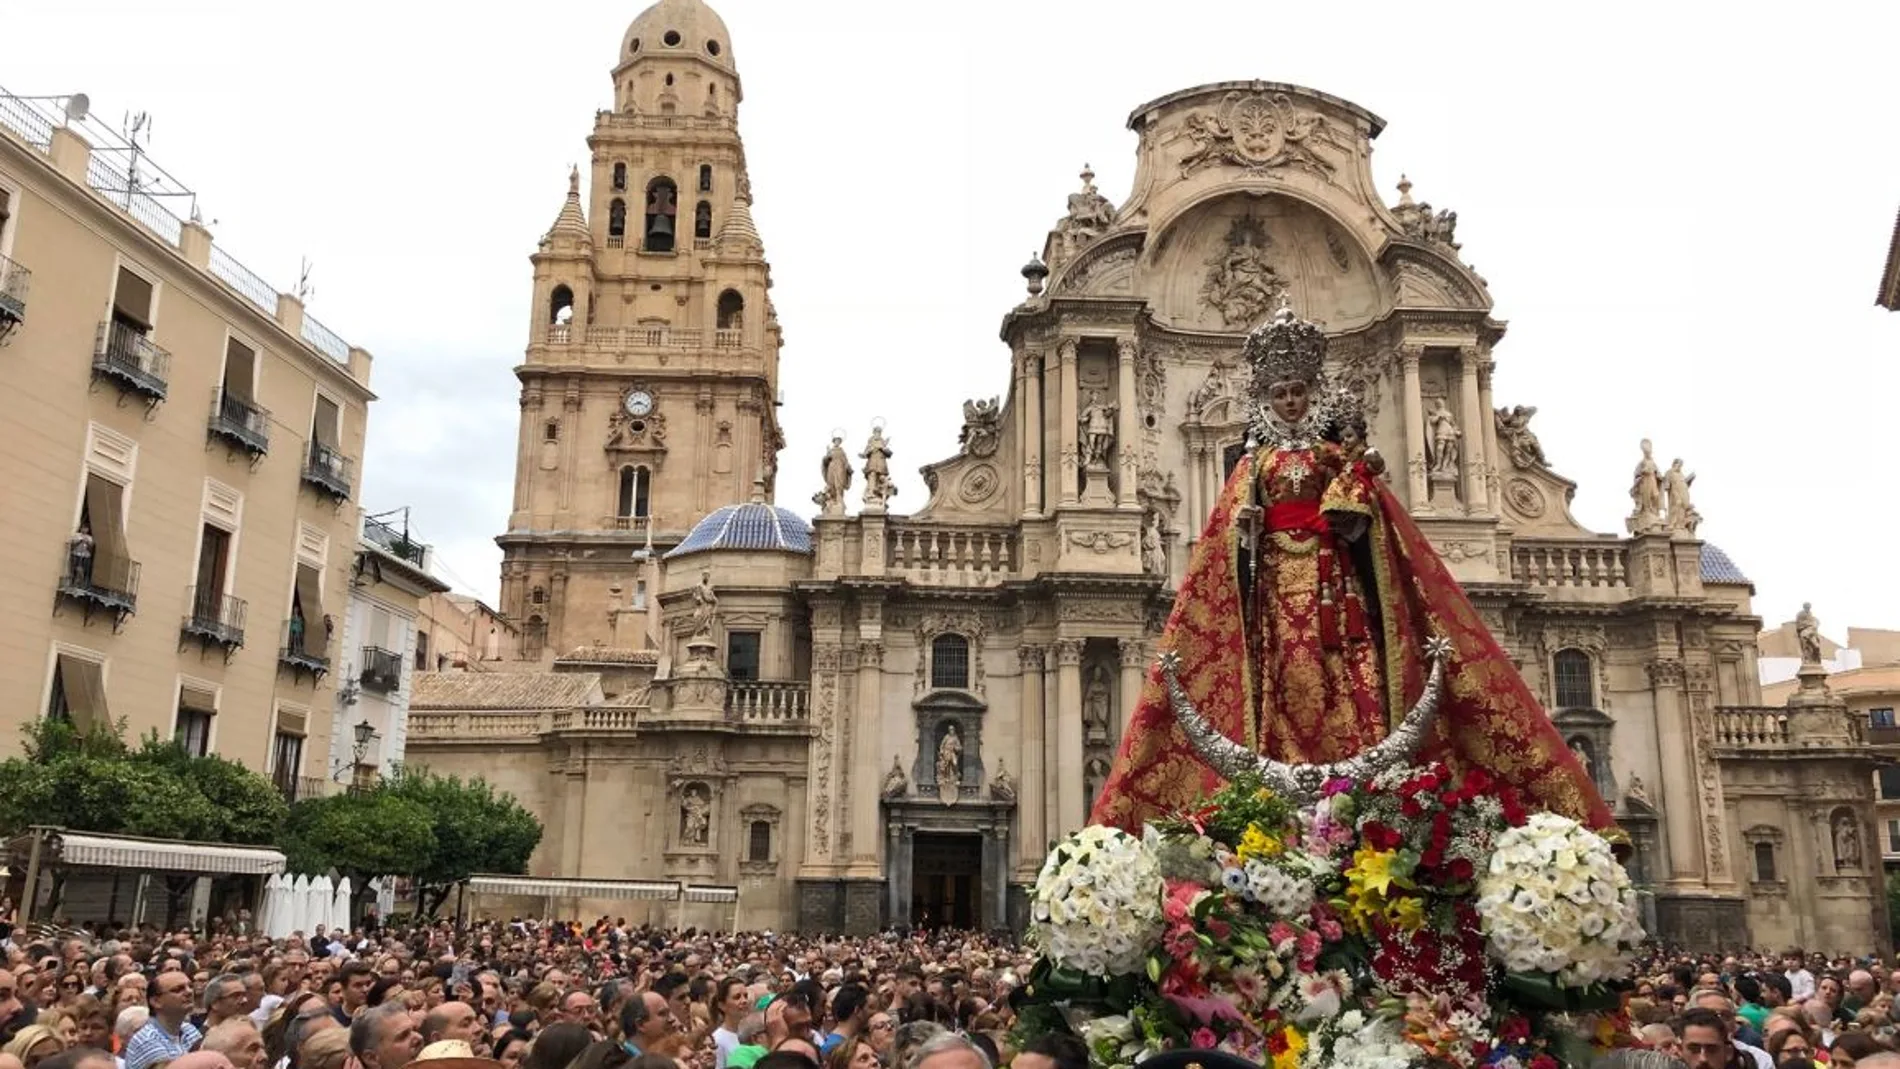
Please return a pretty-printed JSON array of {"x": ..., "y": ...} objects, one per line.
[
  {"x": 1128, "y": 425},
  {"x": 1488, "y": 412},
  {"x": 1065, "y": 421},
  {"x": 1196, "y": 457},
  {"x": 1031, "y": 410},
  {"x": 826, "y": 660},
  {"x": 1068, "y": 722},
  {"x": 1676, "y": 749},
  {"x": 868, "y": 759},
  {"x": 1476, "y": 499},
  {"x": 1134, "y": 657},
  {"x": 897, "y": 871},
  {"x": 1032, "y": 832},
  {"x": 525, "y": 466},
  {"x": 1420, "y": 496},
  {"x": 570, "y": 446}
]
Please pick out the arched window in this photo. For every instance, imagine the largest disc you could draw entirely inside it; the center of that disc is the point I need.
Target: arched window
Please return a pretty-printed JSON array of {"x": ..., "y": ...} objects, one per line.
[
  {"x": 702, "y": 220},
  {"x": 561, "y": 305},
  {"x": 617, "y": 218},
  {"x": 950, "y": 662},
  {"x": 1575, "y": 680},
  {"x": 620, "y": 177},
  {"x": 705, "y": 178},
  {"x": 759, "y": 841},
  {"x": 661, "y": 215},
  {"x": 731, "y": 311},
  {"x": 1765, "y": 862}
]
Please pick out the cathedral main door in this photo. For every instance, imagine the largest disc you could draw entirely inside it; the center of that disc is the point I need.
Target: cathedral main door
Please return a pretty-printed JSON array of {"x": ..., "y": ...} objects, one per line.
[{"x": 947, "y": 881}]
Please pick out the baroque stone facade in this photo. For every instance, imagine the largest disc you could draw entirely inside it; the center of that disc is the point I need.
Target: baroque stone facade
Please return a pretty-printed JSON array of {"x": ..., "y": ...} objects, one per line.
[{"x": 915, "y": 705}]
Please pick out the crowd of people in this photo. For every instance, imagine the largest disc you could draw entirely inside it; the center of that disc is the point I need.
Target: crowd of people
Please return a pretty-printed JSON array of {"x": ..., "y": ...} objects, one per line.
[{"x": 527, "y": 995}]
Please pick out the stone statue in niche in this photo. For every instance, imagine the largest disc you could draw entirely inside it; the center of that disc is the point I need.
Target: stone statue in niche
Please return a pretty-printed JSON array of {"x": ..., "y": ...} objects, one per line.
[
  {"x": 836, "y": 470},
  {"x": 949, "y": 764},
  {"x": 1636, "y": 792},
  {"x": 1443, "y": 433},
  {"x": 1242, "y": 282},
  {"x": 1580, "y": 747},
  {"x": 1160, "y": 493},
  {"x": 982, "y": 427},
  {"x": 1215, "y": 387},
  {"x": 1097, "y": 702},
  {"x": 1680, "y": 516},
  {"x": 1098, "y": 431},
  {"x": 705, "y": 606},
  {"x": 1807, "y": 633},
  {"x": 1846, "y": 842},
  {"x": 1154, "y": 559},
  {"x": 896, "y": 784},
  {"x": 1514, "y": 427},
  {"x": 695, "y": 815},
  {"x": 877, "y": 470},
  {"x": 1646, "y": 494},
  {"x": 1002, "y": 785}
]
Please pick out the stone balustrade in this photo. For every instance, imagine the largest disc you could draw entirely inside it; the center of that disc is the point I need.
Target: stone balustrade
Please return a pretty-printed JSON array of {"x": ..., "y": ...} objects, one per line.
[
  {"x": 943, "y": 555},
  {"x": 450, "y": 726},
  {"x": 768, "y": 702},
  {"x": 1570, "y": 564},
  {"x": 1751, "y": 727}
]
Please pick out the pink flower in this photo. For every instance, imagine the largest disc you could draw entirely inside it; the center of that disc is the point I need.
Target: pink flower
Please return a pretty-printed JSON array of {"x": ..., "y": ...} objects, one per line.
[
  {"x": 1204, "y": 1038},
  {"x": 1281, "y": 933},
  {"x": 1309, "y": 949}
]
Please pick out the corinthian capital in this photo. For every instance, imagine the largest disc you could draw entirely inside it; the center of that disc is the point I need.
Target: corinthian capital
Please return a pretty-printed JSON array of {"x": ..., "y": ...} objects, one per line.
[
  {"x": 1068, "y": 651},
  {"x": 1134, "y": 652},
  {"x": 1031, "y": 657},
  {"x": 1665, "y": 673}
]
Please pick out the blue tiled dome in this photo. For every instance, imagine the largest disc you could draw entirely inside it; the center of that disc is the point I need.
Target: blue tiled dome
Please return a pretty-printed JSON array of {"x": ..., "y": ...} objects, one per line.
[
  {"x": 753, "y": 525},
  {"x": 1718, "y": 568}
]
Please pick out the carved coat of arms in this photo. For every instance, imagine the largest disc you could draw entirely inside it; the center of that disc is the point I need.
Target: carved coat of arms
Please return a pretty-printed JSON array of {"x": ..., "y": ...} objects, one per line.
[{"x": 1258, "y": 132}]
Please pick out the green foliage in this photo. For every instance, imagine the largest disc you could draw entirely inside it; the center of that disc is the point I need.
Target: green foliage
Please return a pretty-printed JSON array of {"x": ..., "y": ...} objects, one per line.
[
  {"x": 92, "y": 781},
  {"x": 439, "y": 830},
  {"x": 1240, "y": 804}
]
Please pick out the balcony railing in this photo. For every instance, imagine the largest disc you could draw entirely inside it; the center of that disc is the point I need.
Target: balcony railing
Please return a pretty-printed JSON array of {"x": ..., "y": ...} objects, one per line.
[
  {"x": 768, "y": 703},
  {"x": 303, "y": 651},
  {"x": 102, "y": 581},
  {"x": 240, "y": 421},
  {"x": 132, "y": 360},
  {"x": 624, "y": 523},
  {"x": 381, "y": 670},
  {"x": 328, "y": 471},
  {"x": 1751, "y": 726},
  {"x": 15, "y": 280},
  {"x": 948, "y": 555},
  {"x": 211, "y": 616},
  {"x": 297, "y": 788},
  {"x": 396, "y": 543},
  {"x": 1569, "y": 564}
]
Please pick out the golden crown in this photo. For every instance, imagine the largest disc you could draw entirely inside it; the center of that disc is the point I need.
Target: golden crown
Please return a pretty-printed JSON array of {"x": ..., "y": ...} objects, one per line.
[{"x": 1285, "y": 348}]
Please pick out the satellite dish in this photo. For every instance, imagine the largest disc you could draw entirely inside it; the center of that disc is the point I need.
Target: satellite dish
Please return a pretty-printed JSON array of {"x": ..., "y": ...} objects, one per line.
[{"x": 78, "y": 106}]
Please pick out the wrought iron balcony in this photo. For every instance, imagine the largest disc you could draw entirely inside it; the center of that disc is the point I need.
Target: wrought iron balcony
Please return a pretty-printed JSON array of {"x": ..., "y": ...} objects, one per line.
[
  {"x": 396, "y": 543},
  {"x": 214, "y": 618},
  {"x": 297, "y": 788},
  {"x": 132, "y": 361},
  {"x": 381, "y": 671},
  {"x": 15, "y": 280},
  {"x": 240, "y": 422},
  {"x": 101, "y": 581},
  {"x": 303, "y": 651},
  {"x": 328, "y": 471}
]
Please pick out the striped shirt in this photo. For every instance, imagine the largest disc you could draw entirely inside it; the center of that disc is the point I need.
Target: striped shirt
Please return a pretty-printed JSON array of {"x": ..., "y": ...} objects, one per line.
[{"x": 152, "y": 1044}]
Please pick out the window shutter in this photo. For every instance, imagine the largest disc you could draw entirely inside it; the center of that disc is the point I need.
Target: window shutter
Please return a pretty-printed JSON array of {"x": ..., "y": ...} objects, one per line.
[{"x": 85, "y": 690}]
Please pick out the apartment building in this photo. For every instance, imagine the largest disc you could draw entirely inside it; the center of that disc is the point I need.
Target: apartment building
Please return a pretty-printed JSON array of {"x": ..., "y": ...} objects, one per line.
[{"x": 180, "y": 445}]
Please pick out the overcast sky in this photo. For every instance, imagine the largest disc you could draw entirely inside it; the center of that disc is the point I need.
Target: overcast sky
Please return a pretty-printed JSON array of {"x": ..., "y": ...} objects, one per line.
[{"x": 1682, "y": 210}]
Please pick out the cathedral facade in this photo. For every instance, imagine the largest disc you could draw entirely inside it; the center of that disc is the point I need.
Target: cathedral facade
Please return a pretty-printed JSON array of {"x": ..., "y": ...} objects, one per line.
[{"x": 869, "y": 718}]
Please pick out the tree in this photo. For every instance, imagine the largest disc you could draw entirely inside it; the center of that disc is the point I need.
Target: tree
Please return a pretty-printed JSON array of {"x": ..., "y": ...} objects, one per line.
[
  {"x": 476, "y": 830},
  {"x": 362, "y": 834}
]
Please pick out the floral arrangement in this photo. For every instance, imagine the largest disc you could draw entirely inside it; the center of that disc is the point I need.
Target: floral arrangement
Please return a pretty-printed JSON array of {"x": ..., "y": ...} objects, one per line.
[{"x": 1419, "y": 919}]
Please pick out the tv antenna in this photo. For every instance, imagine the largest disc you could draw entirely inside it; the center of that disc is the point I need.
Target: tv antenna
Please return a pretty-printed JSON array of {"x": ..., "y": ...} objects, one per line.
[
  {"x": 305, "y": 290},
  {"x": 138, "y": 134}
]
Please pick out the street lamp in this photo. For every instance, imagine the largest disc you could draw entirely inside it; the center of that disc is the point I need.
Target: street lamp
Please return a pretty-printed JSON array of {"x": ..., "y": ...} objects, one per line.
[{"x": 366, "y": 735}]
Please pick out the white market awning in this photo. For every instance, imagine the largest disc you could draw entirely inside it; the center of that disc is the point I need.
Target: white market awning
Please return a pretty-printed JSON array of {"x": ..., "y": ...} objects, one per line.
[
  {"x": 160, "y": 855},
  {"x": 700, "y": 892},
  {"x": 557, "y": 887}
]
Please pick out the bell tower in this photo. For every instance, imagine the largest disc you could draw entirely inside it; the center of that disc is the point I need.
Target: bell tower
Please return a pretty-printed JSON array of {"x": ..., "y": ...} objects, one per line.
[{"x": 649, "y": 389}]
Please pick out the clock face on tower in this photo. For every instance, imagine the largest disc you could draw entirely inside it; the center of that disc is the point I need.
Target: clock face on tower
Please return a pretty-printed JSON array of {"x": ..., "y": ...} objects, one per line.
[{"x": 639, "y": 403}]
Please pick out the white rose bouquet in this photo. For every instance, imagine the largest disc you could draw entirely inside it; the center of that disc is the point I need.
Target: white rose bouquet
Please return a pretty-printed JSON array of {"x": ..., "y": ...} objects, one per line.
[
  {"x": 1097, "y": 902},
  {"x": 1554, "y": 900}
]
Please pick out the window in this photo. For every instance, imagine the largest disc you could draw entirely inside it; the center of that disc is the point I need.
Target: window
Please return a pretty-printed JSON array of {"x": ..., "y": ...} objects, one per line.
[
  {"x": 78, "y": 693},
  {"x": 551, "y": 431},
  {"x": 197, "y": 707},
  {"x": 631, "y": 502},
  {"x": 620, "y": 177},
  {"x": 1893, "y": 837},
  {"x": 759, "y": 841},
  {"x": 950, "y": 662},
  {"x": 240, "y": 370},
  {"x": 661, "y": 215},
  {"x": 132, "y": 303},
  {"x": 742, "y": 655},
  {"x": 286, "y": 760},
  {"x": 1765, "y": 862},
  {"x": 214, "y": 558},
  {"x": 308, "y": 631},
  {"x": 422, "y": 650},
  {"x": 538, "y": 596},
  {"x": 326, "y": 425},
  {"x": 617, "y": 218},
  {"x": 561, "y": 306},
  {"x": 1880, "y": 718},
  {"x": 6, "y": 214},
  {"x": 705, "y": 178},
  {"x": 1575, "y": 680},
  {"x": 731, "y": 311},
  {"x": 1890, "y": 784},
  {"x": 639, "y": 593},
  {"x": 102, "y": 518},
  {"x": 702, "y": 220}
]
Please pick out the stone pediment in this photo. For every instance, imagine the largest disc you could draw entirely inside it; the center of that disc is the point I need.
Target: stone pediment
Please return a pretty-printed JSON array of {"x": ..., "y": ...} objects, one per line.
[
  {"x": 1105, "y": 269},
  {"x": 1421, "y": 276},
  {"x": 966, "y": 487},
  {"x": 942, "y": 698}
]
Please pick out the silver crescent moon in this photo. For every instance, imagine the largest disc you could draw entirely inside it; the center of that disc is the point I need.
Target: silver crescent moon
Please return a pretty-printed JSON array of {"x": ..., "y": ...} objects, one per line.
[{"x": 1302, "y": 784}]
